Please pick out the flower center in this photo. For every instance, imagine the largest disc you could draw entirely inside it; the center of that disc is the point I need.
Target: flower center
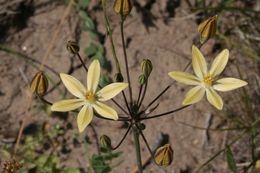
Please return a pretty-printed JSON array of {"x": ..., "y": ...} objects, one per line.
[
  {"x": 90, "y": 97},
  {"x": 207, "y": 81}
]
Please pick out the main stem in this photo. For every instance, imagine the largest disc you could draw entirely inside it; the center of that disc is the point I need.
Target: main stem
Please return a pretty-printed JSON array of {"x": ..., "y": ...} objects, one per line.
[{"x": 137, "y": 149}]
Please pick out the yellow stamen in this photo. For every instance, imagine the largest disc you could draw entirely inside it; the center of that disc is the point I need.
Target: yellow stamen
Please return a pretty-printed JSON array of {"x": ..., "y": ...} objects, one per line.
[
  {"x": 207, "y": 81},
  {"x": 90, "y": 97}
]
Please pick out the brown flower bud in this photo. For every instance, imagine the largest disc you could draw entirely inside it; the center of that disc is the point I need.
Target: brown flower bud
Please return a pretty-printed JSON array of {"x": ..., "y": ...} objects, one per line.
[
  {"x": 39, "y": 84},
  {"x": 146, "y": 67},
  {"x": 123, "y": 7},
  {"x": 72, "y": 47},
  {"x": 208, "y": 28},
  {"x": 105, "y": 142},
  {"x": 164, "y": 155}
]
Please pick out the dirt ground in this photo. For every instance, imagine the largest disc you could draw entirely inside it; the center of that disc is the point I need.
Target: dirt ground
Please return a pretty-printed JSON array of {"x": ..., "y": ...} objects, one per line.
[{"x": 166, "y": 44}]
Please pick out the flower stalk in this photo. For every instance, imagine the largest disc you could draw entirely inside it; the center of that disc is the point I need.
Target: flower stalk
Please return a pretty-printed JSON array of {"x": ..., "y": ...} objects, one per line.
[
  {"x": 125, "y": 59},
  {"x": 137, "y": 149}
]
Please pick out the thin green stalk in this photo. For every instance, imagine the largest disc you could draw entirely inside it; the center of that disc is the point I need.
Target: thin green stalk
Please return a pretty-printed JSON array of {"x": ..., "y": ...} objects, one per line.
[
  {"x": 139, "y": 95},
  {"x": 126, "y": 103},
  {"x": 137, "y": 149},
  {"x": 143, "y": 94},
  {"x": 122, "y": 140},
  {"x": 165, "y": 113},
  {"x": 125, "y": 58},
  {"x": 109, "y": 31},
  {"x": 147, "y": 144},
  {"x": 82, "y": 62}
]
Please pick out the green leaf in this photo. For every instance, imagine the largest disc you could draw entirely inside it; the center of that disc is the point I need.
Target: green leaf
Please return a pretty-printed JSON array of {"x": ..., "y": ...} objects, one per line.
[
  {"x": 91, "y": 50},
  {"x": 104, "y": 80},
  {"x": 103, "y": 61},
  {"x": 230, "y": 159},
  {"x": 88, "y": 22}
]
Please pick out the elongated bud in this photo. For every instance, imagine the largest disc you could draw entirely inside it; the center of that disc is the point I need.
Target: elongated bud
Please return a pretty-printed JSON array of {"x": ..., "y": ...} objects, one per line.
[
  {"x": 72, "y": 47},
  {"x": 119, "y": 77},
  {"x": 146, "y": 67},
  {"x": 208, "y": 28},
  {"x": 39, "y": 84},
  {"x": 164, "y": 155},
  {"x": 123, "y": 7},
  {"x": 142, "y": 79},
  {"x": 105, "y": 142}
]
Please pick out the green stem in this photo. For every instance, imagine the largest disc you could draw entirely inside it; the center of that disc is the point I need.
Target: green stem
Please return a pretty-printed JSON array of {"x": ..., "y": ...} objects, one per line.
[
  {"x": 139, "y": 95},
  {"x": 137, "y": 149},
  {"x": 126, "y": 61},
  {"x": 109, "y": 31},
  {"x": 122, "y": 140},
  {"x": 165, "y": 113},
  {"x": 143, "y": 94}
]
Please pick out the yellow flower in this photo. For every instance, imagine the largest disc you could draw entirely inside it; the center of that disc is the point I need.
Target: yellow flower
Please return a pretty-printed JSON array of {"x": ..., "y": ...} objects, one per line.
[
  {"x": 206, "y": 81},
  {"x": 89, "y": 97}
]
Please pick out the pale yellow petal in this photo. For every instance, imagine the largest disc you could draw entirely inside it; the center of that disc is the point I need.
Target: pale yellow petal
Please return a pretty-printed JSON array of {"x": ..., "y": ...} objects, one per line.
[
  {"x": 219, "y": 63},
  {"x": 84, "y": 117},
  {"x": 227, "y": 84},
  {"x": 105, "y": 111},
  {"x": 198, "y": 63},
  {"x": 111, "y": 91},
  {"x": 184, "y": 77},
  {"x": 93, "y": 76},
  {"x": 214, "y": 98},
  {"x": 194, "y": 95},
  {"x": 67, "y": 105},
  {"x": 73, "y": 85}
]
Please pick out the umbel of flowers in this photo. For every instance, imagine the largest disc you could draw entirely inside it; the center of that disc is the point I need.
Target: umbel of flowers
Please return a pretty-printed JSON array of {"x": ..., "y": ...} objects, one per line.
[{"x": 90, "y": 98}]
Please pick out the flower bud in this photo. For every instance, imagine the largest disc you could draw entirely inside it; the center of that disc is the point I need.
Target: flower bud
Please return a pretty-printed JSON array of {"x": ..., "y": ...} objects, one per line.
[
  {"x": 142, "y": 79},
  {"x": 119, "y": 77},
  {"x": 208, "y": 28},
  {"x": 39, "y": 84},
  {"x": 105, "y": 142},
  {"x": 164, "y": 155},
  {"x": 123, "y": 7},
  {"x": 72, "y": 47},
  {"x": 146, "y": 67}
]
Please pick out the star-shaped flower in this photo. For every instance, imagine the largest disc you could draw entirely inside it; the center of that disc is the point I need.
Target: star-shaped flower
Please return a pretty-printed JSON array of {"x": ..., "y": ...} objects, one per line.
[
  {"x": 206, "y": 81},
  {"x": 89, "y": 97}
]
